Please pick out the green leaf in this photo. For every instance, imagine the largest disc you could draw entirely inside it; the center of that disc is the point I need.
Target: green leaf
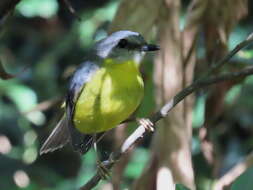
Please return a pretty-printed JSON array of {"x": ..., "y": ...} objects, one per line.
[
  {"x": 90, "y": 22},
  {"x": 247, "y": 54},
  {"x": 232, "y": 94},
  {"x": 25, "y": 99},
  {"x": 33, "y": 8},
  {"x": 244, "y": 181},
  {"x": 196, "y": 148},
  {"x": 181, "y": 187},
  {"x": 137, "y": 163},
  {"x": 199, "y": 112}
]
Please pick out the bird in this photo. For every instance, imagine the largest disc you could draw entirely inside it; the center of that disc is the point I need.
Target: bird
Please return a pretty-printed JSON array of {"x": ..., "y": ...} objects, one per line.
[{"x": 103, "y": 92}]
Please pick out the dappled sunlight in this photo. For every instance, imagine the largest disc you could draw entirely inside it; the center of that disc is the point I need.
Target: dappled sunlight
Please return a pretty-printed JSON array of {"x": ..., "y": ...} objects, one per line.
[
  {"x": 21, "y": 179},
  {"x": 165, "y": 179},
  {"x": 5, "y": 145}
]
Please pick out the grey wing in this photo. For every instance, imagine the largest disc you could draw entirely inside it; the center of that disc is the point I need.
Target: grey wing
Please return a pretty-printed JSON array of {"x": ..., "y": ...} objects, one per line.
[
  {"x": 64, "y": 131},
  {"x": 80, "y": 142},
  {"x": 58, "y": 138},
  {"x": 82, "y": 75}
]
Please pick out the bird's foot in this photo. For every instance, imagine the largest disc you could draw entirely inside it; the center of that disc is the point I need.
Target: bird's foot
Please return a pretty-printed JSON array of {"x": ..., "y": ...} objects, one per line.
[
  {"x": 103, "y": 171},
  {"x": 146, "y": 123}
]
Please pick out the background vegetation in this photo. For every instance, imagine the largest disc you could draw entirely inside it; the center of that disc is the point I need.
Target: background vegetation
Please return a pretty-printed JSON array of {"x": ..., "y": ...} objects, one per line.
[{"x": 42, "y": 42}]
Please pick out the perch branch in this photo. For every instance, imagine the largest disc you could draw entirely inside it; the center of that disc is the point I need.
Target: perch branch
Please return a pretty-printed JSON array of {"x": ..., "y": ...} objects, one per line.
[
  {"x": 163, "y": 112},
  {"x": 204, "y": 81}
]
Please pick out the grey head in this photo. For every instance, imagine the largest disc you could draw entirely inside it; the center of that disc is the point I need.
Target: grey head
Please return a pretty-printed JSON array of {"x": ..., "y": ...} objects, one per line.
[{"x": 122, "y": 45}]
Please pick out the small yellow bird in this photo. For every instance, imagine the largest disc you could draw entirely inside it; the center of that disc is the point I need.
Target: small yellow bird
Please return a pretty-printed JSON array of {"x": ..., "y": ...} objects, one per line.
[{"x": 103, "y": 92}]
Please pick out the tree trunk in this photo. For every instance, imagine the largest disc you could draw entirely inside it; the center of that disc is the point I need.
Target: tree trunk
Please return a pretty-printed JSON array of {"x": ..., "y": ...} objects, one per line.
[{"x": 171, "y": 148}]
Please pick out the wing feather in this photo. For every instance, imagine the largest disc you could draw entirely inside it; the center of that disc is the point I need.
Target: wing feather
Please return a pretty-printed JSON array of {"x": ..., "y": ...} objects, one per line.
[
  {"x": 65, "y": 131},
  {"x": 58, "y": 138},
  {"x": 80, "y": 142}
]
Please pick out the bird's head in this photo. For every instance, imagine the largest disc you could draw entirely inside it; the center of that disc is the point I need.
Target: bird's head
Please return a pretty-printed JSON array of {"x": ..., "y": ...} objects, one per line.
[{"x": 123, "y": 45}]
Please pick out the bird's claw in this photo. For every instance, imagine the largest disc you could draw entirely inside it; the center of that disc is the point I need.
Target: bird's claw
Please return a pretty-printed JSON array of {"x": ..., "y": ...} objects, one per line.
[
  {"x": 103, "y": 171},
  {"x": 147, "y": 124}
]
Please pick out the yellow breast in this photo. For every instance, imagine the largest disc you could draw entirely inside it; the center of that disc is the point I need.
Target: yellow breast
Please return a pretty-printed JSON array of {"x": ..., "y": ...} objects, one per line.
[{"x": 111, "y": 96}]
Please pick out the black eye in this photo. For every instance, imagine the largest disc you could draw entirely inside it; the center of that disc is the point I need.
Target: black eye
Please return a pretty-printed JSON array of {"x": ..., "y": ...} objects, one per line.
[{"x": 122, "y": 43}]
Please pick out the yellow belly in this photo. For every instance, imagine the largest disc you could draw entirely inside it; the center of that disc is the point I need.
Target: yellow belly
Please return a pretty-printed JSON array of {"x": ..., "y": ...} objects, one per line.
[{"x": 111, "y": 96}]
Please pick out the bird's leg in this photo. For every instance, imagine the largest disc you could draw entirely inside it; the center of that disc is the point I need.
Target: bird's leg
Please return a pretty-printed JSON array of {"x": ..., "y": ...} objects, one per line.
[
  {"x": 80, "y": 142},
  {"x": 102, "y": 170}
]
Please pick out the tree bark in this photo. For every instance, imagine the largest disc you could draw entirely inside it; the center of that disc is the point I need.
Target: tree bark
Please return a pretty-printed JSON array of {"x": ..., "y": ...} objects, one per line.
[
  {"x": 218, "y": 23},
  {"x": 171, "y": 148}
]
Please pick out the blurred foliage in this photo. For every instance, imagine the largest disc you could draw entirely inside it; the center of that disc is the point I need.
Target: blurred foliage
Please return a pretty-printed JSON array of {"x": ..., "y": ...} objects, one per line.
[
  {"x": 44, "y": 37},
  {"x": 198, "y": 114},
  {"x": 244, "y": 180},
  {"x": 3, "y": 74},
  {"x": 32, "y": 8},
  {"x": 137, "y": 163},
  {"x": 181, "y": 187}
]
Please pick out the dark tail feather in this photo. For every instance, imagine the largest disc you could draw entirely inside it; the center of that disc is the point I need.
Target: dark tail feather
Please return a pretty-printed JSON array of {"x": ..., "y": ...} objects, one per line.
[
  {"x": 83, "y": 142},
  {"x": 62, "y": 134},
  {"x": 58, "y": 138}
]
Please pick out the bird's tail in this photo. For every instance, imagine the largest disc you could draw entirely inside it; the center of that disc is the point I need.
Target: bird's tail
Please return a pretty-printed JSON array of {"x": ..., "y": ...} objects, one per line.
[{"x": 58, "y": 138}]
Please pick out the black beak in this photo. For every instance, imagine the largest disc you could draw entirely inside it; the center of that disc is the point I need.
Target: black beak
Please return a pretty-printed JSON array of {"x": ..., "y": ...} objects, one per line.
[{"x": 150, "y": 47}]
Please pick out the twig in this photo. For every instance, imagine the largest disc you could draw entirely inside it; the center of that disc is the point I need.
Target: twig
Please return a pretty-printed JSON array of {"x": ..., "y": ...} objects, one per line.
[
  {"x": 190, "y": 51},
  {"x": 235, "y": 172},
  {"x": 71, "y": 9},
  {"x": 43, "y": 105},
  {"x": 225, "y": 59},
  {"x": 163, "y": 112}
]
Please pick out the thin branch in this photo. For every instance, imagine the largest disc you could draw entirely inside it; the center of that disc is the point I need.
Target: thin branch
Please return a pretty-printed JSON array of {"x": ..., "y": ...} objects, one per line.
[
  {"x": 190, "y": 51},
  {"x": 71, "y": 9},
  {"x": 236, "y": 171},
  {"x": 45, "y": 105},
  {"x": 163, "y": 112},
  {"x": 202, "y": 82},
  {"x": 225, "y": 59}
]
